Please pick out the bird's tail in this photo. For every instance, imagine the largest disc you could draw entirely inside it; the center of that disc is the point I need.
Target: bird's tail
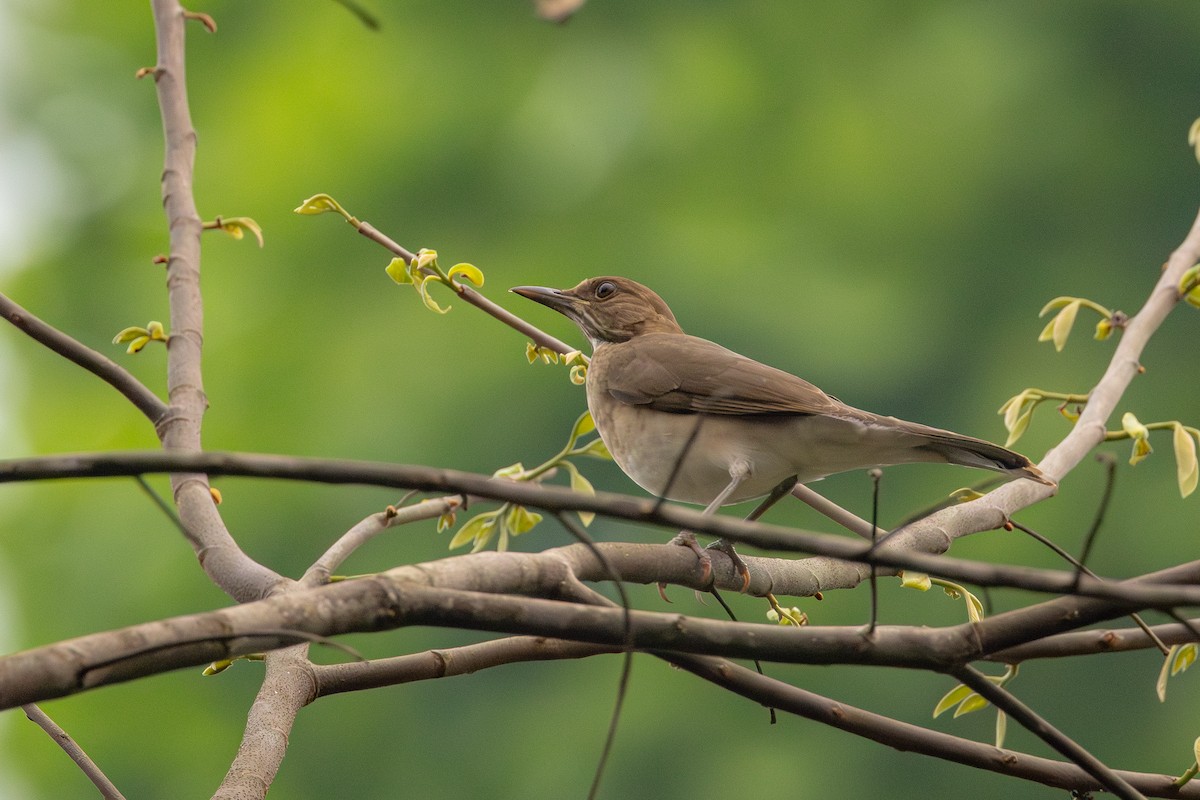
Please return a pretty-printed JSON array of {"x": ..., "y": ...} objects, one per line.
[
  {"x": 971, "y": 452},
  {"x": 935, "y": 444}
]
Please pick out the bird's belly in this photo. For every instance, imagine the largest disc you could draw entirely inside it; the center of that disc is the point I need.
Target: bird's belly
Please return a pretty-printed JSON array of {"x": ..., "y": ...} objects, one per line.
[{"x": 688, "y": 457}]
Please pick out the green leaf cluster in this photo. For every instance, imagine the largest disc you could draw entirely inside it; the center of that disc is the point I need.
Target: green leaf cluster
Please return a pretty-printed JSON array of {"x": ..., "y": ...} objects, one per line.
[
  {"x": 512, "y": 519},
  {"x": 423, "y": 269}
]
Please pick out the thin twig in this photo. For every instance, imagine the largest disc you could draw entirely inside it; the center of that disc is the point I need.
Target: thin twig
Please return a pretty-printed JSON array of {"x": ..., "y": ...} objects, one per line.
[
  {"x": 539, "y": 337},
  {"x": 1083, "y": 570},
  {"x": 827, "y": 507},
  {"x": 69, "y": 746},
  {"x": 1031, "y": 721},
  {"x": 78, "y": 353}
]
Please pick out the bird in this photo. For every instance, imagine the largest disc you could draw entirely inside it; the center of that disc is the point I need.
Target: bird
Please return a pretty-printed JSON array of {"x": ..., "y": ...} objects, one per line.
[{"x": 691, "y": 421}]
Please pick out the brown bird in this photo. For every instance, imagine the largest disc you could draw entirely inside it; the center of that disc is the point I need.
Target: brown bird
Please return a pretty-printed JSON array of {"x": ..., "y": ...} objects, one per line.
[{"x": 690, "y": 420}]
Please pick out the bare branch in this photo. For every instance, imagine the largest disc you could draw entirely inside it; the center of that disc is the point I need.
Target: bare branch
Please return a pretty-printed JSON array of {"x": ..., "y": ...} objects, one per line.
[
  {"x": 287, "y": 687},
  {"x": 179, "y": 429},
  {"x": 449, "y": 662},
  {"x": 1093, "y": 642},
  {"x": 63, "y": 739},
  {"x": 371, "y": 527}
]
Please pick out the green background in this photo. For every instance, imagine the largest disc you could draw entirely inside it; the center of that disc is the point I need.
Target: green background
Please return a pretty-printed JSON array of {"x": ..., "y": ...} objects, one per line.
[{"x": 876, "y": 196}]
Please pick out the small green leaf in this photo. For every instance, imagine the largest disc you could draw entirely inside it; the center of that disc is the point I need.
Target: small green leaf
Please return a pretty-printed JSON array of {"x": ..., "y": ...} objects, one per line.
[
  {"x": 468, "y": 271},
  {"x": 915, "y": 580},
  {"x": 397, "y": 270},
  {"x": 318, "y": 204},
  {"x": 584, "y": 425},
  {"x": 578, "y": 375},
  {"x": 521, "y": 520},
  {"x": 1140, "y": 435},
  {"x": 952, "y": 698},
  {"x": 511, "y": 471},
  {"x": 1141, "y": 449},
  {"x": 430, "y": 303},
  {"x": 129, "y": 334},
  {"x": 1019, "y": 427},
  {"x": 596, "y": 449},
  {"x": 217, "y": 667},
  {"x": 1018, "y": 411},
  {"x": 973, "y": 703},
  {"x": 1185, "y": 461},
  {"x": 580, "y": 484},
  {"x": 1104, "y": 329},
  {"x": 1001, "y": 728},
  {"x": 1160, "y": 686},
  {"x": 1133, "y": 427},
  {"x": 236, "y": 227},
  {"x": 965, "y": 494},
  {"x": 426, "y": 259},
  {"x": 1189, "y": 285},
  {"x": 479, "y": 528},
  {"x": 1183, "y": 657},
  {"x": 1063, "y": 324},
  {"x": 974, "y": 607},
  {"x": 1058, "y": 302}
]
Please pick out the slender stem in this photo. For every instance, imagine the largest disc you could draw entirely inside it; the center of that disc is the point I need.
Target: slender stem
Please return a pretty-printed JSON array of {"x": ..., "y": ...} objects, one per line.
[
  {"x": 1049, "y": 734},
  {"x": 69, "y": 746},
  {"x": 78, "y": 353}
]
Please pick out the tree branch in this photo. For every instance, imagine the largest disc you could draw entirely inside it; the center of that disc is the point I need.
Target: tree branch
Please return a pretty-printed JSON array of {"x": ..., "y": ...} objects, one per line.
[
  {"x": 905, "y": 736},
  {"x": 1094, "y": 642},
  {"x": 78, "y": 353},
  {"x": 802, "y": 577},
  {"x": 179, "y": 429},
  {"x": 935, "y": 533},
  {"x": 63, "y": 739},
  {"x": 1035, "y": 724}
]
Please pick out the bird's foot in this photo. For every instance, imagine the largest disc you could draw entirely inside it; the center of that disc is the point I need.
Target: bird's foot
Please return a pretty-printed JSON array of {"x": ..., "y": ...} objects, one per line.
[
  {"x": 688, "y": 539},
  {"x": 739, "y": 565}
]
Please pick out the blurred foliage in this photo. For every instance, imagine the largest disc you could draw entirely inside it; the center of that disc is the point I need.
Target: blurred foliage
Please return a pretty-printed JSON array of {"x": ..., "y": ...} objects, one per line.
[{"x": 877, "y": 196}]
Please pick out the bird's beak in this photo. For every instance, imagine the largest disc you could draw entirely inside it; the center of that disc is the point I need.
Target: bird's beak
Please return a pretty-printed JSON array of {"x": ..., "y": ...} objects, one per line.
[{"x": 557, "y": 299}]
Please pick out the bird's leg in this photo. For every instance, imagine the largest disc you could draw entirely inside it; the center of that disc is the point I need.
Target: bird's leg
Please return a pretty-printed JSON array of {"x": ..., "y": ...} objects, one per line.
[
  {"x": 739, "y": 471},
  {"x": 726, "y": 547}
]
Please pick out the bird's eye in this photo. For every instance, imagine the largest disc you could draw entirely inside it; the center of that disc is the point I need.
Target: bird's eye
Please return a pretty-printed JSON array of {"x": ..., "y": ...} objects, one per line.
[{"x": 605, "y": 290}]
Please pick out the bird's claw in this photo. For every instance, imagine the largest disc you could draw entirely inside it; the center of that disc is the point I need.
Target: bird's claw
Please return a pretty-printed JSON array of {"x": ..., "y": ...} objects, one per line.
[
  {"x": 739, "y": 566},
  {"x": 688, "y": 539}
]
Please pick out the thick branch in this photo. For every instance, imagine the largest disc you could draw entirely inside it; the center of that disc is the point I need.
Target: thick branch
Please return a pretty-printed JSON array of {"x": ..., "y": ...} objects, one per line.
[
  {"x": 785, "y": 577},
  {"x": 428, "y": 594}
]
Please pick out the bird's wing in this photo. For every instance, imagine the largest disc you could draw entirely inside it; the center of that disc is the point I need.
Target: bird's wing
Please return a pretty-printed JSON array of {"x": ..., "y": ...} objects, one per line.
[{"x": 685, "y": 374}]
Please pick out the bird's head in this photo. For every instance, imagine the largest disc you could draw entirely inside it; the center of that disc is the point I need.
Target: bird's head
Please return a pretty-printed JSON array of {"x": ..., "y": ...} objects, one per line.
[{"x": 607, "y": 309}]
